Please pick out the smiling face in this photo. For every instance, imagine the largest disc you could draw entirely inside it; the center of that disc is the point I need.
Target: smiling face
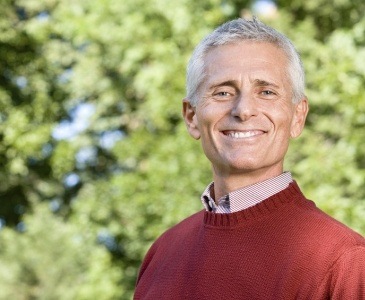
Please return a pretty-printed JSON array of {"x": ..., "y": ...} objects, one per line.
[{"x": 245, "y": 116}]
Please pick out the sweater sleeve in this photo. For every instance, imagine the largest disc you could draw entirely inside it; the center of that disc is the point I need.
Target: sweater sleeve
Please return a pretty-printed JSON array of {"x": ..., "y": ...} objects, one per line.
[{"x": 346, "y": 278}]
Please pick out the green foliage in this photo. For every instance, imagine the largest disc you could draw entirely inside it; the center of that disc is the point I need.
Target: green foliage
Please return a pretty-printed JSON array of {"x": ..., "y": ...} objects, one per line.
[
  {"x": 29, "y": 105},
  {"x": 326, "y": 15},
  {"x": 54, "y": 259},
  {"x": 127, "y": 59}
]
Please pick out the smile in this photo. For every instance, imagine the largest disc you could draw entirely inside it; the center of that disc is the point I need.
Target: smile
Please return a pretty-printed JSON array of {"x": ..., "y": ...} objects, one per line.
[{"x": 242, "y": 134}]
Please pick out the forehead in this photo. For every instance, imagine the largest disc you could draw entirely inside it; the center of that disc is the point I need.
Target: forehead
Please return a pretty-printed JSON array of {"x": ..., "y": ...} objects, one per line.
[{"x": 246, "y": 59}]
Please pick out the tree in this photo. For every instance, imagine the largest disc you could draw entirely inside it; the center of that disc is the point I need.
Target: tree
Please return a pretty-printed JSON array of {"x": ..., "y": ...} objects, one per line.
[
  {"x": 31, "y": 103},
  {"x": 52, "y": 259}
]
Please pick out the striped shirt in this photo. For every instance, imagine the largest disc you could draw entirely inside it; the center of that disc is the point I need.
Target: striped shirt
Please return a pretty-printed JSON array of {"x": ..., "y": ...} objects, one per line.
[{"x": 246, "y": 196}]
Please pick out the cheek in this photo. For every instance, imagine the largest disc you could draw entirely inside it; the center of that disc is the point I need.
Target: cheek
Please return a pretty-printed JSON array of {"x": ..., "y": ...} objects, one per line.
[
  {"x": 208, "y": 116},
  {"x": 283, "y": 116},
  {"x": 282, "y": 126},
  {"x": 208, "y": 121}
]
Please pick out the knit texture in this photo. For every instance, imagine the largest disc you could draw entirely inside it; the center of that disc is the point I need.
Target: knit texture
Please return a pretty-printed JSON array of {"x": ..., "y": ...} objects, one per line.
[{"x": 281, "y": 248}]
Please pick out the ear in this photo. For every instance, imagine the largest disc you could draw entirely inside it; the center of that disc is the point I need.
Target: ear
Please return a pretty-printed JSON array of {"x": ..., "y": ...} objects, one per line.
[
  {"x": 300, "y": 115},
  {"x": 189, "y": 114}
]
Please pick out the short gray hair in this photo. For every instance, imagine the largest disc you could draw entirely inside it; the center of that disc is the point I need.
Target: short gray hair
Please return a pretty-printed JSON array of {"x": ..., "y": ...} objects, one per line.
[{"x": 243, "y": 30}]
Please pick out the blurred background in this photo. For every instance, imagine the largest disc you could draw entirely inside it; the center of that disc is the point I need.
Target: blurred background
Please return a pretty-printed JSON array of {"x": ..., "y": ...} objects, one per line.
[{"x": 95, "y": 159}]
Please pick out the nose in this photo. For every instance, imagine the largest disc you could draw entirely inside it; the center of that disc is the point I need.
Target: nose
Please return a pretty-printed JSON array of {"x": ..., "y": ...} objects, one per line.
[{"x": 244, "y": 107}]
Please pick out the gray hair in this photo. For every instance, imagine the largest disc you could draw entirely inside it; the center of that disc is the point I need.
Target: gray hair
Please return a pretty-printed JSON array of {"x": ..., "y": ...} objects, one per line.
[{"x": 242, "y": 30}]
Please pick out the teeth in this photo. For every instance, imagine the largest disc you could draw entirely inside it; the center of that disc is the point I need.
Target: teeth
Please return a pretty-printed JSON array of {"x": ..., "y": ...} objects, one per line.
[{"x": 240, "y": 135}]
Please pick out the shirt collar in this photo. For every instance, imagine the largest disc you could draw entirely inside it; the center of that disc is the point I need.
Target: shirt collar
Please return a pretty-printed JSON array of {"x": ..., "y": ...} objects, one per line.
[{"x": 246, "y": 196}]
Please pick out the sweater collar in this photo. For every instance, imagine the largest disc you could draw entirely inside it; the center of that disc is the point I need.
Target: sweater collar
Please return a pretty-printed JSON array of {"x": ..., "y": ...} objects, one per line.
[{"x": 291, "y": 193}]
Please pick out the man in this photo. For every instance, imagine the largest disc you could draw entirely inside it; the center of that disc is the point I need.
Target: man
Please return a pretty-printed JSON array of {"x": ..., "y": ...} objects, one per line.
[{"x": 258, "y": 237}]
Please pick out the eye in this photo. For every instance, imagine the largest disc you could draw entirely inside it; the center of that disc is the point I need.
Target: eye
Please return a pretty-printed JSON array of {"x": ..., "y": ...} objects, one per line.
[
  {"x": 267, "y": 93},
  {"x": 223, "y": 94}
]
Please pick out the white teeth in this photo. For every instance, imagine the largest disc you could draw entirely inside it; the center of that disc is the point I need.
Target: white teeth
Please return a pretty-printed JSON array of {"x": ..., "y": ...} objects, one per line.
[{"x": 240, "y": 135}]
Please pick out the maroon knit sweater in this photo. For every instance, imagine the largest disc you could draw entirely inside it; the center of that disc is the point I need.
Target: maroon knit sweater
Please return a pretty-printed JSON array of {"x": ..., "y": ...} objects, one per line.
[{"x": 281, "y": 248}]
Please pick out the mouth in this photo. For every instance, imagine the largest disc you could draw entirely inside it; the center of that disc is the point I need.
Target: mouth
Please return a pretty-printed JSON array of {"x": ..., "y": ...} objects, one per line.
[{"x": 242, "y": 134}]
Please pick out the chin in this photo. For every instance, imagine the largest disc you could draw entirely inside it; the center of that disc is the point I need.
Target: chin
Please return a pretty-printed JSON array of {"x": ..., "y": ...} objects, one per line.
[
  {"x": 256, "y": 164},
  {"x": 241, "y": 163}
]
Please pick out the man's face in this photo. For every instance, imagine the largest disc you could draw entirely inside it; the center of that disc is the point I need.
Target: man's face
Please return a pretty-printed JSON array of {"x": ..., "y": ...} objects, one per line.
[{"x": 245, "y": 116}]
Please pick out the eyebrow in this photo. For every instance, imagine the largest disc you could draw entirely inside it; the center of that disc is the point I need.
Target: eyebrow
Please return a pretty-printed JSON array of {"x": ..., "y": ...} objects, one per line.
[
  {"x": 260, "y": 82},
  {"x": 225, "y": 83},
  {"x": 231, "y": 83}
]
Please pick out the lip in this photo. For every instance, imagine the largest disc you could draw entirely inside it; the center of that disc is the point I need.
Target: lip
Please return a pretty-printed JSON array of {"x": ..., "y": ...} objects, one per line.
[{"x": 243, "y": 134}]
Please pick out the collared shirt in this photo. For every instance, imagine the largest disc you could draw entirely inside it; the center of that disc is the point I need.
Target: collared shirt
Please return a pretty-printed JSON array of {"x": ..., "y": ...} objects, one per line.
[{"x": 246, "y": 196}]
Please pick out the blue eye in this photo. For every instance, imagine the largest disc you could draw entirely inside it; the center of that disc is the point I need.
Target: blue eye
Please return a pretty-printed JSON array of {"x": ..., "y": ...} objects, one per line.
[{"x": 222, "y": 94}]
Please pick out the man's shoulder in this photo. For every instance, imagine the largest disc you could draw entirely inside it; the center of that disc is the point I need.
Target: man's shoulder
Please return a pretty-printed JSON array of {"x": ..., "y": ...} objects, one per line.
[
  {"x": 185, "y": 226},
  {"x": 319, "y": 225},
  {"x": 179, "y": 233}
]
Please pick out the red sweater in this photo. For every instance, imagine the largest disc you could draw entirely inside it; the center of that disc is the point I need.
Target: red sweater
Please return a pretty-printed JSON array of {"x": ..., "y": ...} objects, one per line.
[{"x": 281, "y": 248}]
